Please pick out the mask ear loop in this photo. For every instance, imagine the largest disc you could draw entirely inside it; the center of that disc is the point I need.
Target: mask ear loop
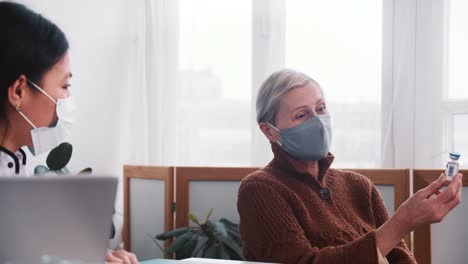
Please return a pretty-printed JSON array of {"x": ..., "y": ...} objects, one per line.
[
  {"x": 25, "y": 118},
  {"x": 42, "y": 91},
  {"x": 277, "y": 141}
]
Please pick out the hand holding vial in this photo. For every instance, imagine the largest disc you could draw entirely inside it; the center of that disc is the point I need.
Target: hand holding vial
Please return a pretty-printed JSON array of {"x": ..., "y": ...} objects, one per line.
[{"x": 431, "y": 204}]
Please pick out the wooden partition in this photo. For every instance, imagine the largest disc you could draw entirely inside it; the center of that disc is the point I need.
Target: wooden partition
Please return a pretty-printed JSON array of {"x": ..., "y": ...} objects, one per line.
[
  {"x": 397, "y": 180},
  {"x": 148, "y": 199},
  {"x": 451, "y": 243},
  {"x": 198, "y": 189},
  {"x": 189, "y": 175}
]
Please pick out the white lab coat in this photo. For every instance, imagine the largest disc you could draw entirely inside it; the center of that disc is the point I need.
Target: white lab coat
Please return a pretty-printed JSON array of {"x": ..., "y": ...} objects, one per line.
[{"x": 12, "y": 164}]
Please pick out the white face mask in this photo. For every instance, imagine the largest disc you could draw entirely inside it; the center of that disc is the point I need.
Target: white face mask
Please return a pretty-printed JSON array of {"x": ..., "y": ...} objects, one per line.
[{"x": 46, "y": 138}]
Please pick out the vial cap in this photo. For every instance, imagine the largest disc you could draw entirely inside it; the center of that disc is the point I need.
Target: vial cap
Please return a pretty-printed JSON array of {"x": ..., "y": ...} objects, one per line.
[{"x": 454, "y": 155}]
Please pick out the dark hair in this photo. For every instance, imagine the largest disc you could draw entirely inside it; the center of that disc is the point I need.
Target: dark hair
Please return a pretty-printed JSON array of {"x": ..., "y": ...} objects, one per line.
[{"x": 30, "y": 44}]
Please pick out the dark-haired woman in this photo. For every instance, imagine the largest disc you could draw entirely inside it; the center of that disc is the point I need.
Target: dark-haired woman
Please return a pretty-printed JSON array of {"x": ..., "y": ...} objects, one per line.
[{"x": 35, "y": 103}]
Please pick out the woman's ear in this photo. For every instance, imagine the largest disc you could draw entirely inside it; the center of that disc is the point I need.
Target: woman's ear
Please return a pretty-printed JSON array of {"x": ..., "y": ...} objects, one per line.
[
  {"x": 271, "y": 133},
  {"x": 17, "y": 92}
]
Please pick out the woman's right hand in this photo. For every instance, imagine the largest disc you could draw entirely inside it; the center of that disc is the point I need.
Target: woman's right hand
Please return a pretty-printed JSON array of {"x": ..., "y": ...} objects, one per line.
[
  {"x": 427, "y": 206},
  {"x": 430, "y": 205}
]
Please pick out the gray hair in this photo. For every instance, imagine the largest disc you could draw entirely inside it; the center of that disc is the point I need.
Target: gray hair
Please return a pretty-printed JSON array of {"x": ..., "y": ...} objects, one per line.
[{"x": 276, "y": 86}]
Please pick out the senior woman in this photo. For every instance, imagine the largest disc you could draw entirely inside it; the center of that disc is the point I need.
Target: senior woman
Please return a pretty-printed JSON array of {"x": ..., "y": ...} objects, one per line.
[{"x": 299, "y": 210}]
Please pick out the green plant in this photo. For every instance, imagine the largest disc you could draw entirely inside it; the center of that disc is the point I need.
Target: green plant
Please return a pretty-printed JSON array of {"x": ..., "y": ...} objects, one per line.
[
  {"x": 57, "y": 161},
  {"x": 219, "y": 240}
]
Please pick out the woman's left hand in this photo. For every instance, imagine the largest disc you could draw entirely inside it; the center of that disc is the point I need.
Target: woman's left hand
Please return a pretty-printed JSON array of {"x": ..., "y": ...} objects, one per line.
[{"x": 120, "y": 256}]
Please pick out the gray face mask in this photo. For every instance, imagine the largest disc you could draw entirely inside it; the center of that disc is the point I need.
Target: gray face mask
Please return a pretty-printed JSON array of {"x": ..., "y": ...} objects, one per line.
[{"x": 310, "y": 140}]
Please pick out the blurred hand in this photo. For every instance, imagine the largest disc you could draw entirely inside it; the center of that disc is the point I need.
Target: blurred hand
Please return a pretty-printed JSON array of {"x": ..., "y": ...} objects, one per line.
[
  {"x": 430, "y": 205},
  {"x": 120, "y": 257}
]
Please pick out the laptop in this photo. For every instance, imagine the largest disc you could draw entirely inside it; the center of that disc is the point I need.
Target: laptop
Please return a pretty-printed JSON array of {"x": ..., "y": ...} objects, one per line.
[{"x": 55, "y": 219}]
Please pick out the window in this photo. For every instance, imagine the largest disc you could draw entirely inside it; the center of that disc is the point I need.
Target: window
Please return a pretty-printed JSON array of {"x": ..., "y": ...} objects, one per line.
[
  {"x": 460, "y": 136},
  {"x": 339, "y": 44},
  {"x": 458, "y": 54},
  {"x": 455, "y": 102},
  {"x": 215, "y": 40}
]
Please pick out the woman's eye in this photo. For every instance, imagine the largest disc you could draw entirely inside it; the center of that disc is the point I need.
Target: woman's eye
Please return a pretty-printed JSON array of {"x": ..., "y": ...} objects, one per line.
[
  {"x": 301, "y": 116},
  {"x": 322, "y": 109}
]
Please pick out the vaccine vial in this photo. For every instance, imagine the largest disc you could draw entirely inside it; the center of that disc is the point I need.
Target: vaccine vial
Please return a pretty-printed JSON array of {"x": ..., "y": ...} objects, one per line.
[{"x": 452, "y": 166}]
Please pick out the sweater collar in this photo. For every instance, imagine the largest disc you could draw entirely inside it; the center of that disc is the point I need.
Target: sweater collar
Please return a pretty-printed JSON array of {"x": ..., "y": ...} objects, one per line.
[{"x": 284, "y": 161}]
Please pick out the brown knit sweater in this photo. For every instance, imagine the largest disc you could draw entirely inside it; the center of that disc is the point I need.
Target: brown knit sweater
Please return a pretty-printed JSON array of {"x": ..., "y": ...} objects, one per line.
[{"x": 284, "y": 219}]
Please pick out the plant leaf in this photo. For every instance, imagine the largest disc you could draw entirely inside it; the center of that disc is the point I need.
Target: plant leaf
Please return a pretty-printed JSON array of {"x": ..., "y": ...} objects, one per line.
[
  {"x": 86, "y": 171},
  {"x": 173, "y": 233},
  {"x": 188, "y": 248},
  {"x": 231, "y": 228},
  {"x": 233, "y": 255},
  {"x": 194, "y": 219},
  {"x": 59, "y": 157},
  {"x": 229, "y": 224},
  {"x": 231, "y": 244},
  {"x": 156, "y": 242},
  {"x": 201, "y": 243},
  {"x": 64, "y": 170},
  {"x": 222, "y": 252},
  {"x": 41, "y": 169},
  {"x": 177, "y": 244},
  {"x": 211, "y": 251},
  {"x": 209, "y": 215},
  {"x": 201, "y": 251},
  {"x": 220, "y": 229},
  {"x": 236, "y": 237}
]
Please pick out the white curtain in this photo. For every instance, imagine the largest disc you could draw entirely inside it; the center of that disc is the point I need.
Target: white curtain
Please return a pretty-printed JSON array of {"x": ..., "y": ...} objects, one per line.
[
  {"x": 424, "y": 103},
  {"x": 339, "y": 44},
  {"x": 215, "y": 73}
]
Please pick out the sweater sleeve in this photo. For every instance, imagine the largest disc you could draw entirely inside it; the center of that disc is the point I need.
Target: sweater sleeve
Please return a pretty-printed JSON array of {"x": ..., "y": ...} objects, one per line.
[
  {"x": 271, "y": 233},
  {"x": 400, "y": 253}
]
